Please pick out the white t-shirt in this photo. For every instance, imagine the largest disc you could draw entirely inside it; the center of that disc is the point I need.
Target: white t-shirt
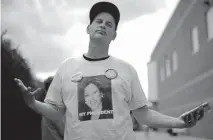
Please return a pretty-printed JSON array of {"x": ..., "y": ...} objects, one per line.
[
  {"x": 52, "y": 130},
  {"x": 98, "y": 97}
]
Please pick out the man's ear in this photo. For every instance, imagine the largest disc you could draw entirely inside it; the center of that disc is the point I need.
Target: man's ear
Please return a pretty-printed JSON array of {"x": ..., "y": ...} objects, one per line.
[
  {"x": 88, "y": 29},
  {"x": 114, "y": 36}
]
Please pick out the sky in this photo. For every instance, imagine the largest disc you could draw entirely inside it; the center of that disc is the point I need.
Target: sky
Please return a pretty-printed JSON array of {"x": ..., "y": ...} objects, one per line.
[{"x": 48, "y": 31}]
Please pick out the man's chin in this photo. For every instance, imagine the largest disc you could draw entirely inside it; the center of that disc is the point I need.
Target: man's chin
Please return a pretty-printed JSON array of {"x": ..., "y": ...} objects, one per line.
[{"x": 98, "y": 37}]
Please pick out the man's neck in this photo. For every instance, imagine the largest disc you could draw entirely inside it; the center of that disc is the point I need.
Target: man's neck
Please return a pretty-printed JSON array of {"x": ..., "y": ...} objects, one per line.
[{"x": 97, "y": 50}]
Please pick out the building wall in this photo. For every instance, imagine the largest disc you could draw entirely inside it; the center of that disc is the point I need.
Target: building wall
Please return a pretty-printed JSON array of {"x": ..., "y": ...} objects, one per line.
[
  {"x": 188, "y": 97},
  {"x": 192, "y": 82},
  {"x": 189, "y": 65}
]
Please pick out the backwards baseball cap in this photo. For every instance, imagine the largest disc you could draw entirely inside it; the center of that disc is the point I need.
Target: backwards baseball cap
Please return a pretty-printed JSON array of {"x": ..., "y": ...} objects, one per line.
[{"x": 105, "y": 7}]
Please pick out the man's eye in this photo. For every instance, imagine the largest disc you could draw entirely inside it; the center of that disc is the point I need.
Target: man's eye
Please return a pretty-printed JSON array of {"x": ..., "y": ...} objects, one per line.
[
  {"x": 109, "y": 25},
  {"x": 98, "y": 21}
]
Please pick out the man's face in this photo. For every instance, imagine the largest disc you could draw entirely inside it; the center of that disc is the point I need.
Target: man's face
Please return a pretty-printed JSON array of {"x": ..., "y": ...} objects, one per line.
[{"x": 102, "y": 27}]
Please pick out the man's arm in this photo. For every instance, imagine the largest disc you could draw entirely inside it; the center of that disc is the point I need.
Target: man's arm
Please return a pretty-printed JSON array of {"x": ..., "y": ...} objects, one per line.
[
  {"x": 150, "y": 117},
  {"x": 155, "y": 119},
  {"x": 49, "y": 111}
]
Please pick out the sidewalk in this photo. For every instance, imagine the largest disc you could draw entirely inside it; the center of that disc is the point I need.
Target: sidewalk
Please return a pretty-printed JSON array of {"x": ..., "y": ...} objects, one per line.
[{"x": 163, "y": 136}]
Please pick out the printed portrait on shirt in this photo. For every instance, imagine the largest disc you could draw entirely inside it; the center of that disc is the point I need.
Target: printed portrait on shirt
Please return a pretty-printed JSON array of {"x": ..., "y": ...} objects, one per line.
[{"x": 95, "y": 98}]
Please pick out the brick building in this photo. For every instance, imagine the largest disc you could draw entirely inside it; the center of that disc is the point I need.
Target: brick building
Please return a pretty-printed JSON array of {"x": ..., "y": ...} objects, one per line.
[{"x": 180, "y": 71}]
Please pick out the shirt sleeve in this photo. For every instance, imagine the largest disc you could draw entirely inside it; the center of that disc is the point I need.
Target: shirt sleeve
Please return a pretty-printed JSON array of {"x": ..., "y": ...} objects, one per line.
[
  {"x": 138, "y": 98},
  {"x": 54, "y": 93}
]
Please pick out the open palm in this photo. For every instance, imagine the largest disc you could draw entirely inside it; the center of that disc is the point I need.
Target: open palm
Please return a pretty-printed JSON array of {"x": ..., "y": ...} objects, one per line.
[{"x": 28, "y": 95}]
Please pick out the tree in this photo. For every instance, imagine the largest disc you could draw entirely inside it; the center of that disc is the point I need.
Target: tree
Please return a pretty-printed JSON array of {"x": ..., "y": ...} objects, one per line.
[{"x": 18, "y": 121}]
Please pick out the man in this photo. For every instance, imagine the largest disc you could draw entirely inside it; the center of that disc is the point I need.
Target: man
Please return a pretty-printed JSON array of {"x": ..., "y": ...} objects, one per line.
[{"x": 120, "y": 81}]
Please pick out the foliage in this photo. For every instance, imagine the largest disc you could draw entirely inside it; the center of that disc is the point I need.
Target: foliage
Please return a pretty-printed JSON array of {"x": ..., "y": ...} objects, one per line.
[{"x": 18, "y": 121}]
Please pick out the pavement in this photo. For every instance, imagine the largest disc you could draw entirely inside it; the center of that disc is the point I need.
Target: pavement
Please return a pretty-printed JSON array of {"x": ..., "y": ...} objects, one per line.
[{"x": 163, "y": 136}]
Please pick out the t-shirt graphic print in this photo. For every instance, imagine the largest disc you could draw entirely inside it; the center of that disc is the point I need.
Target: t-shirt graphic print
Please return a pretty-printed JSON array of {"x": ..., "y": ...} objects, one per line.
[{"x": 95, "y": 98}]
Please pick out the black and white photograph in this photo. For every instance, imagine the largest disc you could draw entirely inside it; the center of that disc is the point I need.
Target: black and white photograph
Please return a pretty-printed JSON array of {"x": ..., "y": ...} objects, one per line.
[
  {"x": 106, "y": 69},
  {"x": 95, "y": 98}
]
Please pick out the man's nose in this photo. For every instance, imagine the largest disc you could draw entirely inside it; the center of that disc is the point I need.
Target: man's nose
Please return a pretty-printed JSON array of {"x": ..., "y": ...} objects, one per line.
[{"x": 103, "y": 26}]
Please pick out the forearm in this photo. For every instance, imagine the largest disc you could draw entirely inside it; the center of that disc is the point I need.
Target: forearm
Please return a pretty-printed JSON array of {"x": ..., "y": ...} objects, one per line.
[
  {"x": 48, "y": 110},
  {"x": 156, "y": 119}
]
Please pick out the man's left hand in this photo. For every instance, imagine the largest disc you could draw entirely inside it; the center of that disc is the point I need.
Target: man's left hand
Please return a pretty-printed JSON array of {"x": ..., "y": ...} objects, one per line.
[{"x": 189, "y": 119}]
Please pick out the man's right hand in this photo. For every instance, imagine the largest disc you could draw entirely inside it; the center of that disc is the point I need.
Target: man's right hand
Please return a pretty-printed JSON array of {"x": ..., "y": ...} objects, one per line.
[{"x": 28, "y": 95}]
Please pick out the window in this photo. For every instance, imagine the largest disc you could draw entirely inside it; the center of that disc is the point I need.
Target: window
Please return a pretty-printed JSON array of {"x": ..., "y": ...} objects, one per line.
[
  {"x": 195, "y": 40},
  {"x": 174, "y": 61},
  {"x": 209, "y": 19},
  {"x": 168, "y": 66},
  {"x": 162, "y": 73}
]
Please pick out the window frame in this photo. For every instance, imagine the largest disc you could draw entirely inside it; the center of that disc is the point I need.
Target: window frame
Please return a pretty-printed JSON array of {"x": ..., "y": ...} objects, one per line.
[
  {"x": 195, "y": 41},
  {"x": 208, "y": 25},
  {"x": 174, "y": 61}
]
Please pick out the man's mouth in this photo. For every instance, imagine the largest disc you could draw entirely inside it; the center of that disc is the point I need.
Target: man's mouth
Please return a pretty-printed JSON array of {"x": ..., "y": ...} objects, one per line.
[{"x": 101, "y": 32}]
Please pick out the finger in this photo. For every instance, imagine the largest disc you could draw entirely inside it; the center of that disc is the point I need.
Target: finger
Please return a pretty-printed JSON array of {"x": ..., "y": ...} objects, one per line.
[
  {"x": 185, "y": 114},
  {"x": 193, "y": 119},
  {"x": 37, "y": 91},
  {"x": 186, "y": 117},
  {"x": 20, "y": 83},
  {"x": 200, "y": 114},
  {"x": 16, "y": 79},
  {"x": 29, "y": 89}
]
